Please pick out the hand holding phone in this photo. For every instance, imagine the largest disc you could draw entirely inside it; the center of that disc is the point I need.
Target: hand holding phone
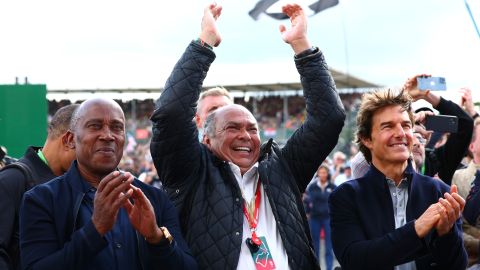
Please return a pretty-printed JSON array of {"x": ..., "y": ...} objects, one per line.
[
  {"x": 432, "y": 83},
  {"x": 442, "y": 123}
]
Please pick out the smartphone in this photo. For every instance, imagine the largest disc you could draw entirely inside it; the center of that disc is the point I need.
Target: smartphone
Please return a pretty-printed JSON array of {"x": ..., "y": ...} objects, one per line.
[
  {"x": 442, "y": 123},
  {"x": 432, "y": 83}
]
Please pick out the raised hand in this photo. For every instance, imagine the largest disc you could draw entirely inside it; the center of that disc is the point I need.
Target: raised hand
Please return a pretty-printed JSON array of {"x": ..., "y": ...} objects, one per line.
[
  {"x": 296, "y": 36},
  {"x": 466, "y": 101},
  {"x": 421, "y": 116},
  {"x": 209, "y": 33},
  {"x": 453, "y": 205},
  {"x": 142, "y": 216},
  {"x": 113, "y": 191},
  {"x": 411, "y": 86}
]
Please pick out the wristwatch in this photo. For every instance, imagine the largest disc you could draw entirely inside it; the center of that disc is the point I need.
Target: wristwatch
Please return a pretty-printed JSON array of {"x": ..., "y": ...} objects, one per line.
[{"x": 167, "y": 235}]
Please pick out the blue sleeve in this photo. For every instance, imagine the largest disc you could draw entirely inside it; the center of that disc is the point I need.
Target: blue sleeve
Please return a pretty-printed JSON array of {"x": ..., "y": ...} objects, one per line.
[
  {"x": 354, "y": 249},
  {"x": 448, "y": 249},
  {"x": 39, "y": 243},
  {"x": 176, "y": 255},
  {"x": 11, "y": 191},
  {"x": 472, "y": 210}
]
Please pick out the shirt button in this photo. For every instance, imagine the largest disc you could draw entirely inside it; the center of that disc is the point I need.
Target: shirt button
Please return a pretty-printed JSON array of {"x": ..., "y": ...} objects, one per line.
[
  {"x": 237, "y": 233},
  {"x": 118, "y": 245},
  {"x": 177, "y": 191}
]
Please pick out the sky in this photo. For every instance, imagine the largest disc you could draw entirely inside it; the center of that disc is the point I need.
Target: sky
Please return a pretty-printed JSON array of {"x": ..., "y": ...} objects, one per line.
[{"x": 105, "y": 44}]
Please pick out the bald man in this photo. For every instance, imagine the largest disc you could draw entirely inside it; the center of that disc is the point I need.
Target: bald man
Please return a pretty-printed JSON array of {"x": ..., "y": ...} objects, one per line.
[
  {"x": 240, "y": 204},
  {"x": 94, "y": 216}
]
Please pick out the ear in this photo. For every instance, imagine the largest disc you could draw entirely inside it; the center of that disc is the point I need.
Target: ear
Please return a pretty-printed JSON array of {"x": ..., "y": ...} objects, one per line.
[
  {"x": 206, "y": 140},
  {"x": 367, "y": 142},
  {"x": 68, "y": 139},
  {"x": 471, "y": 147},
  {"x": 197, "y": 120}
]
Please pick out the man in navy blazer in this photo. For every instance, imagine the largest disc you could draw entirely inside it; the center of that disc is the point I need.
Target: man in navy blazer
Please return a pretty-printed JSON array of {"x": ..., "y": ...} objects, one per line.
[
  {"x": 393, "y": 217},
  {"x": 94, "y": 216}
]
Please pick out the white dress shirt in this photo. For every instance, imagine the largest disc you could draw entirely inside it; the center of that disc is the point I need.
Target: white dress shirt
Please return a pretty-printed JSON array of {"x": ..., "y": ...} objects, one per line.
[{"x": 267, "y": 225}]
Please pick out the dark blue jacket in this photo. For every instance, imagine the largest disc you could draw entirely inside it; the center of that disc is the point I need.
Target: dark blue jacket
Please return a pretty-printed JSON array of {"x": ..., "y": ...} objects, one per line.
[
  {"x": 51, "y": 239},
  {"x": 363, "y": 226},
  {"x": 472, "y": 206},
  {"x": 316, "y": 203}
]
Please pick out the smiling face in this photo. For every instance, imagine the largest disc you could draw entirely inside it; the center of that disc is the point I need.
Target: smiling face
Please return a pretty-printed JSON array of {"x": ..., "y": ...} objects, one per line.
[
  {"x": 236, "y": 138},
  {"x": 98, "y": 137},
  {"x": 391, "y": 137},
  {"x": 418, "y": 150}
]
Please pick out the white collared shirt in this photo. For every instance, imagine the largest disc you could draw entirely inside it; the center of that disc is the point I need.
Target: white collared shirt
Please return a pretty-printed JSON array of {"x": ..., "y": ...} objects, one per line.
[{"x": 267, "y": 225}]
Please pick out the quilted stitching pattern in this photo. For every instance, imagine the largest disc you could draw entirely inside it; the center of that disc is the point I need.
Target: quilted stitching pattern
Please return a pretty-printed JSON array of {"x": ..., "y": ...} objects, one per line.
[{"x": 204, "y": 189}]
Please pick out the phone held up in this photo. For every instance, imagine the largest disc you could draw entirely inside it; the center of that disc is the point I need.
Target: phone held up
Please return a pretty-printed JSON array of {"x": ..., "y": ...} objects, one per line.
[
  {"x": 442, "y": 123},
  {"x": 432, "y": 83}
]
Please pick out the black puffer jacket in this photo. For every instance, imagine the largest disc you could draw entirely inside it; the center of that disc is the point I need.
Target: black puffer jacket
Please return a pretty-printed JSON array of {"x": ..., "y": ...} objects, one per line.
[{"x": 204, "y": 188}]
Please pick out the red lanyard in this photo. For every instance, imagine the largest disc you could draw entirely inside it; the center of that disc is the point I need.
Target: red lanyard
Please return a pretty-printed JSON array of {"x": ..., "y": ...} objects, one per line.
[{"x": 253, "y": 222}]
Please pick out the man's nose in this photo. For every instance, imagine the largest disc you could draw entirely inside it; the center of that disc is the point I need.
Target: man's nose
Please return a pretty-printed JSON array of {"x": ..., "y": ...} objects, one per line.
[
  {"x": 399, "y": 131},
  {"x": 244, "y": 134},
  {"x": 106, "y": 133}
]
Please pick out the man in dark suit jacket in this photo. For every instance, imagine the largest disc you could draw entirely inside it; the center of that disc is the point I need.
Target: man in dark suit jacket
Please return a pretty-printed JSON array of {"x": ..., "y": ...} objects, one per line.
[
  {"x": 95, "y": 217},
  {"x": 394, "y": 218},
  {"x": 40, "y": 164}
]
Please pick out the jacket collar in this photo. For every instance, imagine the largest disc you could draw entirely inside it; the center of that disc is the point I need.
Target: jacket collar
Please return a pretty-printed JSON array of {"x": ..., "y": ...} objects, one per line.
[
  {"x": 74, "y": 178},
  {"x": 379, "y": 179}
]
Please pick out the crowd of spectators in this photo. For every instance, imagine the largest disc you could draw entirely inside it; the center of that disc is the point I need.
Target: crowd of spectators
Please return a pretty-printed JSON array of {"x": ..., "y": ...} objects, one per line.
[{"x": 269, "y": 112}]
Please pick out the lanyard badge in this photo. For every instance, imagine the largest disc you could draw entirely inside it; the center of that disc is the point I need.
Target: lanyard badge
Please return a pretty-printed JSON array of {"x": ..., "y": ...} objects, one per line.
[
  {"x": 254, "y": 242},
  {"x": 258, "y": 246}
]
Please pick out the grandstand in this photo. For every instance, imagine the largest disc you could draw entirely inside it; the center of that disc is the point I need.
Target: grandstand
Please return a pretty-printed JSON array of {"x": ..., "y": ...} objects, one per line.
[{"x": 278, "y": 107}]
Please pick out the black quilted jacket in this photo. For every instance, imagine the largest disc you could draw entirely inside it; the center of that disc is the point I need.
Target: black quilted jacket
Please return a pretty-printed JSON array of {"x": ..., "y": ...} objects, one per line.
[{"x": 204, "y": 188}]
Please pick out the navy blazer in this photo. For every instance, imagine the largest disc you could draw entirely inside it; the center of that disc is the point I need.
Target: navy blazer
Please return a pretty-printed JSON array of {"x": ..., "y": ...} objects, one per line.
[
  {"x": 363, "y": 225},
  {"x": 50, "y": 237}
]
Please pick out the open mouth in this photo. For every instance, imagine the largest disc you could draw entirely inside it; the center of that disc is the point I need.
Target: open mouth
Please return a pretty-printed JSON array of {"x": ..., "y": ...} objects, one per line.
[{"x": 242, "y": 149}]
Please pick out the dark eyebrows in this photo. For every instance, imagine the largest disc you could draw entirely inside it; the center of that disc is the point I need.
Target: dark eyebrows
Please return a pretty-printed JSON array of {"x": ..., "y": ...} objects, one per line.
[{"x": 388, "y": 123}]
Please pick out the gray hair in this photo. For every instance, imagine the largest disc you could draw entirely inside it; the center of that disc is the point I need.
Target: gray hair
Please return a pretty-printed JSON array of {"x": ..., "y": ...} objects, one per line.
[{"x": 209, "y": 125}]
